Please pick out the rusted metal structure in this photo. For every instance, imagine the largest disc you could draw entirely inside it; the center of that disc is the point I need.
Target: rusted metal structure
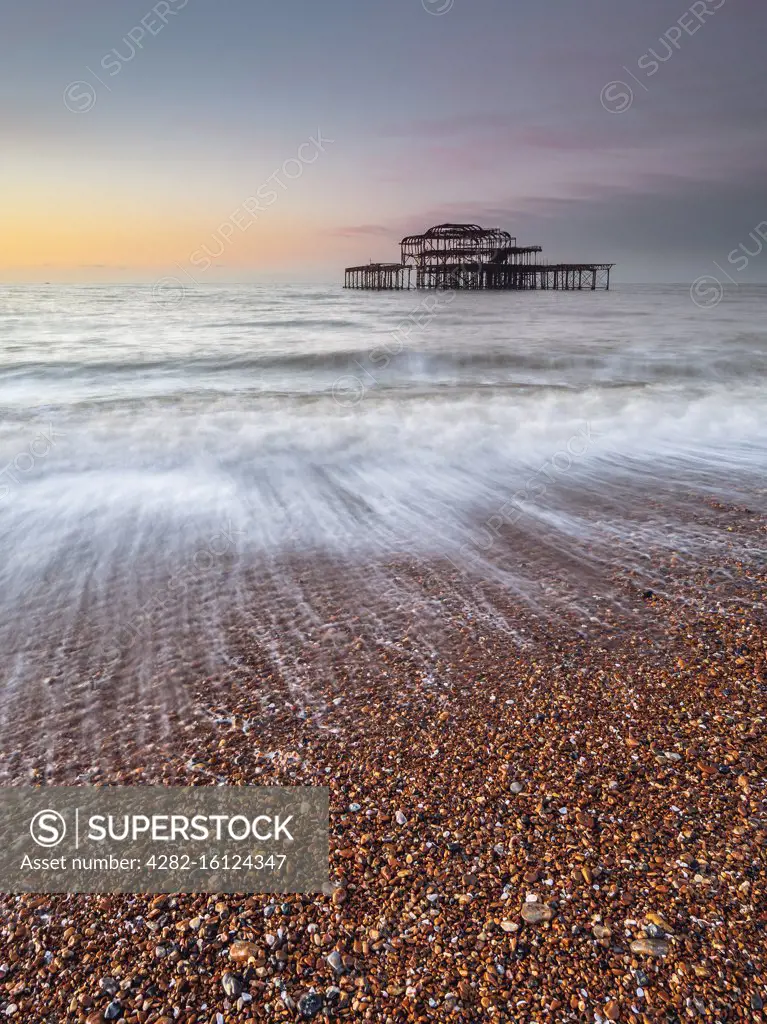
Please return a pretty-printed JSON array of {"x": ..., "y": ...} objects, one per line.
[
  {"x": 379, "y": 277},
  {"x": 469, "y": 257}
]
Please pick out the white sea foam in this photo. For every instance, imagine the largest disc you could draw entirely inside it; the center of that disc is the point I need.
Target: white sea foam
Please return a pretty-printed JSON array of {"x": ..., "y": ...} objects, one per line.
[{"x": 526, "y": 438}]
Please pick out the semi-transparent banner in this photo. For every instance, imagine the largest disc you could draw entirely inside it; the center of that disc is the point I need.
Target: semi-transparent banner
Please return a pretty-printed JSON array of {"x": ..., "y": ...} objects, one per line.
[{"x": 156, "y": 839}]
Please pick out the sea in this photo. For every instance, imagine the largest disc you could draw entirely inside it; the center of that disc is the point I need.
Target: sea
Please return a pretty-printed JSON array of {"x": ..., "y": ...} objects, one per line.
[{"x": 175, "y": 466}]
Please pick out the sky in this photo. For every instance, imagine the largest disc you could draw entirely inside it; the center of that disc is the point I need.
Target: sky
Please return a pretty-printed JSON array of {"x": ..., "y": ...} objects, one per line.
[{"x": 237, "y": 139}]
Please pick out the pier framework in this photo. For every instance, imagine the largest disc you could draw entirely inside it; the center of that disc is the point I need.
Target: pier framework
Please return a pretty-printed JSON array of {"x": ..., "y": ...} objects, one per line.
[
  {"x": 379, "y": 277},
  {"x": 468, "y": 257}
]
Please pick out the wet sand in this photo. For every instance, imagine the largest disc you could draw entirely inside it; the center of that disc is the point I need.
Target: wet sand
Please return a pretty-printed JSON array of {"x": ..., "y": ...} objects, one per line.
[{"x": 533, "y": 818}]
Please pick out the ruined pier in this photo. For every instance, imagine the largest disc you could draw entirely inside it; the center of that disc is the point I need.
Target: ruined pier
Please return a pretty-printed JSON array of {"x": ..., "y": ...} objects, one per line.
[{"x": 468, "y": 257}]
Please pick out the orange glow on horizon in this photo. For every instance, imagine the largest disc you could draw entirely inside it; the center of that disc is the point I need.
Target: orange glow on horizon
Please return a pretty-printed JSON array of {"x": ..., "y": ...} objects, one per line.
[{"x": 83, "y": 244}]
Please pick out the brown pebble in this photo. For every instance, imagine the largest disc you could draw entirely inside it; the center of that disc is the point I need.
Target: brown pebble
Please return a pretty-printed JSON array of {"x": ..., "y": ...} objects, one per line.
[
  {"x": 242, "y": 952},
  {"x": 536, "y": 913},
  {"x": 650, "y": 947}
]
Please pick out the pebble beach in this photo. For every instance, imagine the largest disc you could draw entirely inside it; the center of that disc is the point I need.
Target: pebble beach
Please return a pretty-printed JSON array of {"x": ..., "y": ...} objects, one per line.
[
  {"x": 508, "y": 606},
  {"x": 569, "y": 829}
]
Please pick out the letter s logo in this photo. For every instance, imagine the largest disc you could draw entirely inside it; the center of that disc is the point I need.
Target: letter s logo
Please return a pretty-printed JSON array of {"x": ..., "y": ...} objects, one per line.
[{"x": 48, "y": 828}]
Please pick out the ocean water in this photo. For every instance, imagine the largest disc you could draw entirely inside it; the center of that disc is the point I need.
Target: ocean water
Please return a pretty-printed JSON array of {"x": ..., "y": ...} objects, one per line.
[{"x": 168, "y": 462}]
